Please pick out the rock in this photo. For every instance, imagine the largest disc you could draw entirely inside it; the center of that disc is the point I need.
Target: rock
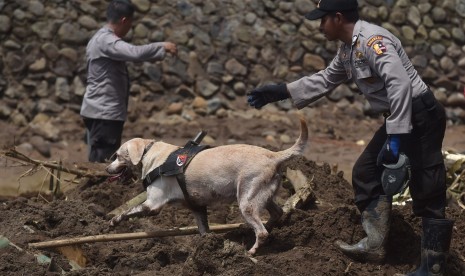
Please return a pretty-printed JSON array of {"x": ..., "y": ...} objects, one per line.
[
  {"x": 460, "y": 8},
  {"x": 439, "y": 14},
  {"x": 313, "y": 62},
  {"x": 286, "y": 139},
  {"x": 49, "y": 106},
  {"x": 42, "y": 89},
  {"x": 88, "y": 22},
  {"x": 235, "y": 68},
  {"x": 50, "y": 50},
  {"x": 69, "y": 53},
  {"x": 45, "y": 30},
  {"x": 38, "y": 66},
  {"x": 303, "y": 6},
  {"x": 205, "y": 88},
  {"x": 42, "y": 146},
  {"x": 414, "y": 16},
  {"x": 446, "y": 83},
  {"x": 5, "y": 111},
  {"x": 461, "y": 63},
  {"x": 447, "y": 64},
  {"x": 78, "y": 86},
  {"x": 140, "y": 31},
  {"x": 15, "y": 61},
  {"x": 214, "y": 105},
  {"x": 438, "y": 49},
  {"x": 5, "y": 23},
  {"x": 397, "y": 17},
  {"x": 240, "y": 88},
  {"x": 420, "y": 61},
  {"x": 175, "y": 108},
  {"x": 408, "y": 34},
  {"x": 199, "y": 103},
  {"x": 340, "y": 92},
  {"x": 36, "y": 8},
  {"x": 62, "y": 89},
  {"x": 142, "y": 5},
  {"x": 71, "y": 33},
  {"x": 18, "y": 119},
  {"x": 46, "y": 130},
  {"x": 458, "y": 34},
  {"x": 10, "y": 44},
  {"x": 185, "y": 92},
  {"x": 456, "y": 100}
]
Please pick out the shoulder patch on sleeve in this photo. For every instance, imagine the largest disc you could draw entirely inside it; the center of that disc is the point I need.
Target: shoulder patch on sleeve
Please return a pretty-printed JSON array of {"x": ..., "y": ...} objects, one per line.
[
  {"x": 374, "y": 39},
  {"x": 379, "y": 48}
]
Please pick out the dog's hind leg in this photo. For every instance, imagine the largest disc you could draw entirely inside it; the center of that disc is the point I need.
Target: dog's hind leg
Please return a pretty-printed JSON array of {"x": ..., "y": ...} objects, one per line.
[
  {"x": 273, "y": 209},
  {"x": 275, "y": 213},
  {"x": 250, "y": 210},
  {"x": 253, "y": 201},
  {"x": 200, "y": 215},
  {"x": 251, "y": 215}
]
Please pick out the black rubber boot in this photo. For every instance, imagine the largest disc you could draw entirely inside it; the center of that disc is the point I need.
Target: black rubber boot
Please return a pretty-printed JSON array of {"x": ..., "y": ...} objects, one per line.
[
  {"x": 435, "y": 243},
  {"x": 375, "y": 222}
]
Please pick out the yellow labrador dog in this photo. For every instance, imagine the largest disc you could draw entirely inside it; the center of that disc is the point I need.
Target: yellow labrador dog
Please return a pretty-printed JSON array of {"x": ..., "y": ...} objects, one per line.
[{"x": 249, "y": 174}]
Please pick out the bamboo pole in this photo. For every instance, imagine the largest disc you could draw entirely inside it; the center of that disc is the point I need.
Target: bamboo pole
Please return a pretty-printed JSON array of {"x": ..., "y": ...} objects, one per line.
[{"x": 189, "y": 230}]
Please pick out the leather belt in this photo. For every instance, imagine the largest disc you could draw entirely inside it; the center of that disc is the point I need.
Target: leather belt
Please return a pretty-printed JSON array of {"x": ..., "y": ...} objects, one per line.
[{"x": 424, "y": 101}]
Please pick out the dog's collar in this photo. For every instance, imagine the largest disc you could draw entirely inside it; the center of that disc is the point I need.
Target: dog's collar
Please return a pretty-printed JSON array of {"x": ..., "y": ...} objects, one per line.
[{"x": 147, "y": 148}]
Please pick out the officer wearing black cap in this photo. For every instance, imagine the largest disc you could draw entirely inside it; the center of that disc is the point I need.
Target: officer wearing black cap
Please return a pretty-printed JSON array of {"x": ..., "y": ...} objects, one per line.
[
  {"x": 326, "y": 7},
  {"x": 374, "y": 59}
]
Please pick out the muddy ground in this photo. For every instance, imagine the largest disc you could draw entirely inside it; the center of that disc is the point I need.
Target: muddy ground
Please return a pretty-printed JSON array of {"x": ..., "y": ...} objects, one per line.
[{"x": 300, "y": 244}]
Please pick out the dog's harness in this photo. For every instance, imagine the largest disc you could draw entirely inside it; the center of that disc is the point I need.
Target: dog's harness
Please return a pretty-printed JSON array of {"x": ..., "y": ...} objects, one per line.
[{"x": 176, "y": 164}]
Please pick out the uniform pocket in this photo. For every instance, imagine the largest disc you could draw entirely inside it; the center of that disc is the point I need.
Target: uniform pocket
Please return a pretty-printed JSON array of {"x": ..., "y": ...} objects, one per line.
[
  {"x": 367, "y": 81},
  {"x": 363, "y": 72}
]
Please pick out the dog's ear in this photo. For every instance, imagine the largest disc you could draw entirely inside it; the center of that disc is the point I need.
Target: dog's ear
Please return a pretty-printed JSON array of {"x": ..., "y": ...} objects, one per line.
[{"x": 136, "y": 150}]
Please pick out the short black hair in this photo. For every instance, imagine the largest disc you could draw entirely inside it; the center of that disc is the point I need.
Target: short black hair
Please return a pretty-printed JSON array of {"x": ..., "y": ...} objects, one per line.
[
  {"x": 351, "y": 15},
  {"x": 118, "y": 9}
]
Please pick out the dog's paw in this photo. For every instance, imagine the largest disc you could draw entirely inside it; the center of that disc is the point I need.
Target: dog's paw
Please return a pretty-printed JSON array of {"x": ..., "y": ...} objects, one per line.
[
  {"x": 252, "y": 251},
  {"x": 115, "y": 221}
]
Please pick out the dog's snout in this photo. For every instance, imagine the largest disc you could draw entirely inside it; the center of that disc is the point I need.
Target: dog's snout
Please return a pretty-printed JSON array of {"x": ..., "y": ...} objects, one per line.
[{"x": 111, "y": 168}]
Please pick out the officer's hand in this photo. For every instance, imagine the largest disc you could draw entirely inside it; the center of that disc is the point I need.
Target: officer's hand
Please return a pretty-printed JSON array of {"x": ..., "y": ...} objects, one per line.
[
  {"x": 261, "y": 96},
  {"x": 171, "y": 48},
  {"x": 389, "y": 154}
]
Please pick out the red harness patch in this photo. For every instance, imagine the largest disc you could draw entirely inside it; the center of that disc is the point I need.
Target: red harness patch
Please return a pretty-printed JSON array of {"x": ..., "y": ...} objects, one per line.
[{"x": 181, "y": 160}]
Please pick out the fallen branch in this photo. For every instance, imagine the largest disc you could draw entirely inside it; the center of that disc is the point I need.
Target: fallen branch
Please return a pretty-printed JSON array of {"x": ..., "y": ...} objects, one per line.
[
  {"x": 189, "y": 230},
  {"x": 303, "y": 195},
  {"x": 14, "y": 154}
]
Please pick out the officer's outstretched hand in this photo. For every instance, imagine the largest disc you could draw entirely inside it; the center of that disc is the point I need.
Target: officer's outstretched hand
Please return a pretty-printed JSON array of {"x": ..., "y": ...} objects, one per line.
[
  {"x": 389, "y": 154},
  {"x": 261, "y": 96}
]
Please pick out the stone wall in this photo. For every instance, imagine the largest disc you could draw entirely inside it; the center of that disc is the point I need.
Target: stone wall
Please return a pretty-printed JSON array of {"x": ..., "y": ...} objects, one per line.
[{"x": 226, "y": 48}]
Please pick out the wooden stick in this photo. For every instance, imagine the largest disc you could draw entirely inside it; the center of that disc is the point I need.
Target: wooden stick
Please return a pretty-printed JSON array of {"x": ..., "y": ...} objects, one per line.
[
  {"x": 131, "y": 236},
  {"x": 13, "y": 153}
]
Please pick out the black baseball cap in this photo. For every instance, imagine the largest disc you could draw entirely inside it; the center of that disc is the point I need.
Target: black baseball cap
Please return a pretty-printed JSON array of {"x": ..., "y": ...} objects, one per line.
[{"x": 326, "y": 6}]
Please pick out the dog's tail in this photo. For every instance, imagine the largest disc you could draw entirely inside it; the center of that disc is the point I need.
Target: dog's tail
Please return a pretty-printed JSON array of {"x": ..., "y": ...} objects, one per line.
[{"x": 300, "y": 144}]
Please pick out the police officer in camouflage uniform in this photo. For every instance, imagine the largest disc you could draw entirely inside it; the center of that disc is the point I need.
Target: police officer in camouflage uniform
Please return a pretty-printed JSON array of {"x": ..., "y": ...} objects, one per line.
[
  {"x": 105, "y": 104},
  {"x": 415, "y": 124}
]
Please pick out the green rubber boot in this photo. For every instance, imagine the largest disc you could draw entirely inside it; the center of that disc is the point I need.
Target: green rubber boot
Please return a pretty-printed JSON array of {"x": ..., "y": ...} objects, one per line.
[
  {"x": 435, "y": 243},
  {"x": 375, "y": 222}
]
